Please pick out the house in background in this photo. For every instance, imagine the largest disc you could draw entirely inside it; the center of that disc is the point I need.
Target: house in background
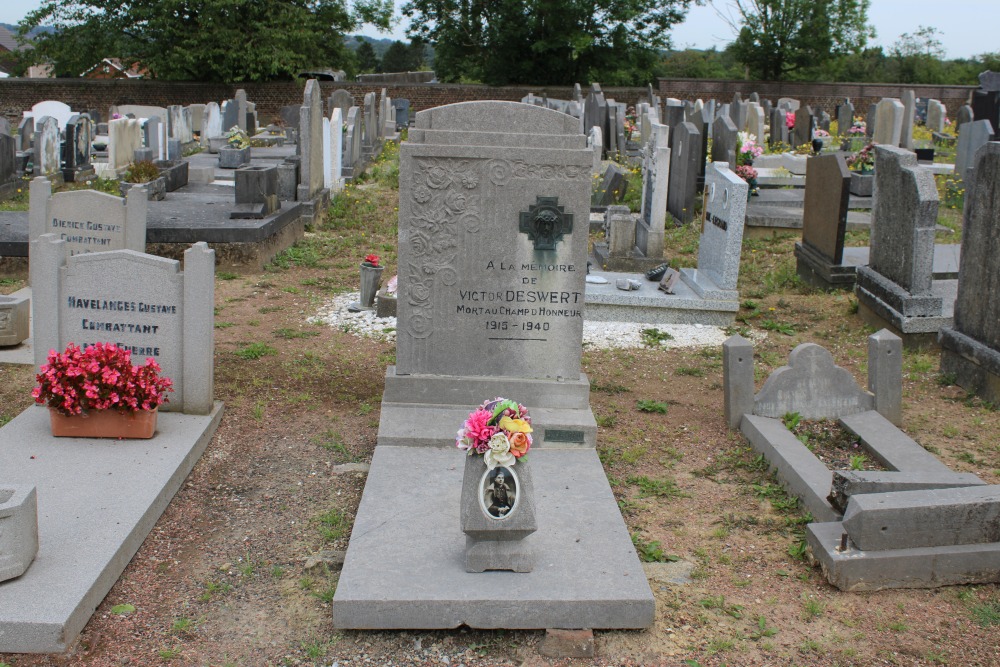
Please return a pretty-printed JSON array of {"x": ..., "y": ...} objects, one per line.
[
  {"x": 8, "y": 48},
  {"x": 112, "y": 68}
]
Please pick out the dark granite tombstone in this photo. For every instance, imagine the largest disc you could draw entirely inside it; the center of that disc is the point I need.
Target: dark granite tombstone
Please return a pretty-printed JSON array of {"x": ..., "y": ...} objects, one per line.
[
  {"x": 971, "y": 348},
  {"x": 820, "y": 255},
  {"x": 8, "y": 165},
  {"x": 845, "y": 118},
  {"x": 339, "y": 98},
  {"x": 256, "y": 192},
  {"x": 805, "y": 125},
  {"x": 595, "y": 112},
  {"x": 779, "y": 126},
  {"x": 986, "y": 106},
  {"x": 724, "y": 136},
  {"x": 685, "y": 151},
  {"x": 611, "y": 188},
  {"x": 76, "y": 149},
  {"x": 870, "y": 121},
  {"x": 290, "y": 115},
  {"x": 402, "y": 107}
]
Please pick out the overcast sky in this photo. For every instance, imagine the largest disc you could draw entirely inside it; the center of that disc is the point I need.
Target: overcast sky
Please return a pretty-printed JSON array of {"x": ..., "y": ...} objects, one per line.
[{"x": 967, "y": 27}]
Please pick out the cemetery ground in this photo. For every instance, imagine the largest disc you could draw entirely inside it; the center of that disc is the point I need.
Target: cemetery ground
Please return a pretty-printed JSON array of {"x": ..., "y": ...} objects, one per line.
[{"x": 242, "y": 567}]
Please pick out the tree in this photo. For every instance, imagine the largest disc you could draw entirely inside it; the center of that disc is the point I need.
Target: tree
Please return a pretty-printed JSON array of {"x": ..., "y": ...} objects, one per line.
[
  {"x": 781, "y": 39},
  {"x": 398, "y": 58},
  {"x": 544, "y": 41},
  {"x": 368, "y": 62},
  {"x": 200, "y": 40}
]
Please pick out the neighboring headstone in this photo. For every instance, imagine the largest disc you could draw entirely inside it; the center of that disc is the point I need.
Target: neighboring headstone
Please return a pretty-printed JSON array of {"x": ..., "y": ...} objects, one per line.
[
  {"x": 290, "y": 116},
  {"x": 352, "y": 141},
  {"x": 595, "y": 112},
  {"x": 805, "y": 126},
  {"x": 820, "y": 255},
  {"x": 230, "y": 115},
  {"x": 738, "y": 113},
  {"x": 619, "y": 228},
  {"x": 909, "y": 101},
  {"x": 971, "y": 137},
  {"x": 240, "y": 97},
  {"x": 685, "y": 152},
  {"x": 52, "y": 108},
  {"x": 986, "y": 106},
  {"x": 340, "y": 99},
  {"x": 88, "y": 220},
  {"x": 971, "y": 348},
  {"x": 595, "y": 141},
  {"x": 402, "y": 107},
  {"x": 369, "y": 138},
  {"x": 256, "y": 192},
  {"x": 897, "y": 283},
  {"x": 845, "y": 118},
  {"x": 197, "y": 118},
  {"x": 989, "y": 80},
  {"x": 724, "y": 137},
  {"x": 311, "y": 142},
  {"x": 651, "y": 225},
  {"x": 788, "y": 104},
  {"x": 212, "y": 124},
  {"x": 25, "y": 133},
  {"x": 755, "y": 121},
  {"x": 8, "y": 165},
  {"x": 964, "y": 116},
  {"x": 124, "y": 137},
  {"x": 889, "y": 115},
  {"x": 936, "y": 114},
  {"x": 721, "y": 236},
  {"x": 76, "y": 149},
  {"x": 47, "y": 147},
  {"x": 611, "y": 187},
  {"x": 140, "y": 302}
]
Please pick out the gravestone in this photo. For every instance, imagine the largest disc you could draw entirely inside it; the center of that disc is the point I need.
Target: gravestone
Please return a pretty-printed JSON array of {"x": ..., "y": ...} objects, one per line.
[
  {"x": 738, "y": 111},
  {"x": 139, "y": 302},
  {"x": 369, "y": 138},
  {"x": 970, "y": 350},
  {"x": 721, "y": 236},
  {"x": 989, "y": 80},
  {"x": 335, "y": 180},
  {"x": 779, "y": 127},
  {"x": 197, "y": 118},
  {"x": 155, "y": 138},
  {"x": 124, "y": 137},
  {"x": 230, "y": 115},
  {"x": 896, "y": 286},
  {"x": 76, "y": 149},
  {"x": 819, "y": 257},
  {"x": 311, "y": 142},
  {"x": 138, "y": 111},
  {"x": 971, "y": 137},
  {"x": 673, "y": 113},
  {"x": 755, "y": 122},
  {"x": 823, "y": 121},
  {"x": 595, "y": 142},
  {"x": 685, "y": 151},
  {"x": 655, "y": 181},
  {"x": 58, "y": 110},
  {"x": 490, "y": 302},
  {"x": 724, "y": 137},
  {"x": 909, "y": 100},
  {"x": 175, "y": 122},
  {"x": 290, "y": 116},
  {"x": 87, "y": 220},
  {"x": 240, "y": 97},
  {"x": 889, "y": 115},
  {"x": 788, "y": 104},
  {"x": 619, "y": 229},
  {"x": 256, "y": 192},
  {"x": 936, "y": 114},
  {"x": 212, "y": 125},
  {"x": 341, "y": 99},
  {"x": 352, "y": 141},
  {"x": 25, "y": 133},
  {"x": 805, "y": 126},
  {"x": 754, "y": 98},
  {"x": 47, "y": 147},
  {"x": 986, "y": 106},
  {"x": 845, "y": 118},
  {"x": 870, "y": 121},
  {"x": 5, "y": 126},
  {"x": 611, "y": 187},
  {"x": 577, "y": 93},
  {"x": 186, "y": 131},
  {"x": 595, "y": 112},
  {"x": 8, "y": 165},
  {"x": 402, "y": 107},
  {"x": 964, "y": 116}
]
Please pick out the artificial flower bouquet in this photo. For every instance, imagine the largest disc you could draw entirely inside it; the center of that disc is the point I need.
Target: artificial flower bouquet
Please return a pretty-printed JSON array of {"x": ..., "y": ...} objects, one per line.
[
  {"x": 100, "y": 377},
  {"x": 500, "y": 430},
  {"x": 864, "y": 160},
  {"x": 747, "y": 148},
  {"x": 371, "y": 260}
]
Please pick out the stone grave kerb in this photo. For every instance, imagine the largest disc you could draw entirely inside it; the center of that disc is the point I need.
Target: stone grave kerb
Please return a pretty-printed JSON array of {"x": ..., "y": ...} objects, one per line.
[
  {"x": 904, "y": 218},
  {"x": 99, "y": 296}
]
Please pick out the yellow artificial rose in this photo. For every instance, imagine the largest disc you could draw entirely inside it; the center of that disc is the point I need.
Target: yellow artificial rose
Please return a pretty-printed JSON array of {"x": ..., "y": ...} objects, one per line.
[{"x": 514, "y": 425}]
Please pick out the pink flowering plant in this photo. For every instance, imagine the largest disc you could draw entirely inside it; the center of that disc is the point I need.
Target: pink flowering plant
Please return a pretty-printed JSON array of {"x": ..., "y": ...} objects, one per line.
[
  {"x": 790, "y": 120},
  {"x": 100, "y": 377},
  {"x": 747, "y": 148},
  {"x": 499, "y": 430},
  {"x": 863, "y": 160}
]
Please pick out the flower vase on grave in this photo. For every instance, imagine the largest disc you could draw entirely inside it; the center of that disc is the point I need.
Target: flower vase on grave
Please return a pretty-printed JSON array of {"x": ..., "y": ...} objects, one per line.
[
  {"x": 371, "y": 279},
  {"x": 104, "y": 424}
]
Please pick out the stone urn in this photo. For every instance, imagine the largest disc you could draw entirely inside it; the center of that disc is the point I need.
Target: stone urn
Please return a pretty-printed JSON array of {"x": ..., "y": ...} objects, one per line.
[{"x": 371, "y": 279}]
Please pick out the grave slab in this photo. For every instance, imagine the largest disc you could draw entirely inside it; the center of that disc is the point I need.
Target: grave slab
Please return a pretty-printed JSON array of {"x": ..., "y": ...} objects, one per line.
[
  {"x": 97, "y": 501},
  {"x": 416, "y": 578},
  {"x": 606, "y": 303}
]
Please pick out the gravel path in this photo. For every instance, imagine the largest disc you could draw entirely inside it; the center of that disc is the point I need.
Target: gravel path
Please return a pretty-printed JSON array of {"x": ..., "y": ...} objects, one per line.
[{"x": 595, "y": 334}]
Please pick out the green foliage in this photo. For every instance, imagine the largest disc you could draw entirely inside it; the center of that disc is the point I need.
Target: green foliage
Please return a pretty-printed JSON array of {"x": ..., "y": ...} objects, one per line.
[
  {"x": 402, "y": 58},
  {"x": 646, "y": 405},
  {"x": 200, "y": 40},
  {"x": 367, "y": 60},
  {"x": 651, "y": 552},
  {"x": 782, "y": 39},
  {"x": 143, "y": 171},
  {"x": 255, "y": 351},
  {"x": 544, "y": 41},
  {"x": 653, "y": 337},
  {"x": 123, "y": 609}
]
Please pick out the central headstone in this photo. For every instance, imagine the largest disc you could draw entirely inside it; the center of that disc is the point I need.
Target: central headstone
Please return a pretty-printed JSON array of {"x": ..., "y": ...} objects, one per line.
[{"x": 493, "y": 226}]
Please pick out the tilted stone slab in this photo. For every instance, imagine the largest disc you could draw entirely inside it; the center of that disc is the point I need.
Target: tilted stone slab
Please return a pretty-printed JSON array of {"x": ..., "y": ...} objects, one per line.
[
  {"x": 848, "y": 483},
  {"x": 812, "y": 385},
  {"x": 890, "y": 446},
  {"x": 928, "y": 518}
]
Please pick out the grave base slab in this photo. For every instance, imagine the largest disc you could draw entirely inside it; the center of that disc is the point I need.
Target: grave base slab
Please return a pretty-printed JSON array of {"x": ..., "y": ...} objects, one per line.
[
  {"x": 405, "y": 566},
  {"x": 606, "y": 303},
  {"x": 97, "y": 501},
  {"x": 919, "y": 567}
]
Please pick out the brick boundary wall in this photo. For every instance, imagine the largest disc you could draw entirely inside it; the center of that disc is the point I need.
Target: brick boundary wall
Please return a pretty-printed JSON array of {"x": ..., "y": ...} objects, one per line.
[{"x": 17, "y": 95}]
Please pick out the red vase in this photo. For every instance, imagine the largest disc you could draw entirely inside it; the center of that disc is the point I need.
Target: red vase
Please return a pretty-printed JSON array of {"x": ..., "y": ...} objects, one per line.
[{"x": 104, "y": 424}]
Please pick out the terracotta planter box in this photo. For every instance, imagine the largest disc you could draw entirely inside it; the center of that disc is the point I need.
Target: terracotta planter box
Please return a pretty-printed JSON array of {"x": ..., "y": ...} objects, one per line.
[{"x": 104, "y": 424}]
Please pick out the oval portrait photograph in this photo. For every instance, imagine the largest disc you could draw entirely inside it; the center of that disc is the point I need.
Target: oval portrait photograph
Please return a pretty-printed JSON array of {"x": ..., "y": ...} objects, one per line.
[{"x": 498, "y": 490}]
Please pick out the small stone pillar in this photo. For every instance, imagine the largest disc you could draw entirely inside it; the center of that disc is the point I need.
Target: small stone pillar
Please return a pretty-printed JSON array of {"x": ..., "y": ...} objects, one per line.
[
  {"x": 885, "y": 374},
  {"x": 737, "y": 379},
  {"x": 620, "y": 228},
  {"x": 15, "y": 313},
  {"x": 495, "y": 531}
]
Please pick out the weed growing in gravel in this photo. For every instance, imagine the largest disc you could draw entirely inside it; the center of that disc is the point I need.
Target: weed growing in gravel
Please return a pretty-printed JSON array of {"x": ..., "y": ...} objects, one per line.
[
  {"x": 646, "y": 405},
  {"x": 987, "y": 614},
  {"x": 213, "y": 588},
  {"x": 332, "y": 524},
  {"x": 651, "y": 552},
  {"x": 123, "y": 609},
  {"x": 661, "y": 488},
  {"x": 289, "y": 334},
  {"x": 255, "y": 351},
  {"x": 653, "y": 337}
]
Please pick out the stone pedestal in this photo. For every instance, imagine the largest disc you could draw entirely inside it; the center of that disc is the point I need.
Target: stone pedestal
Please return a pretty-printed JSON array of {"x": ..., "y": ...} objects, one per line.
[
  {"x": 496, "y": 529},
  {"x": 233, "y": 158},
  {"x": 18, "y": 530},
  {"x": 14, "y": 319}
]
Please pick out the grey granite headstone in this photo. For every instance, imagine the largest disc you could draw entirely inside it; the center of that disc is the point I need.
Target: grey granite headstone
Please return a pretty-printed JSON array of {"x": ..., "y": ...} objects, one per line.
[
  {"x": 402, "y": 107},
  {"x": 824, "y": 215},
  {"x": 212, "y": 124},
  {"x": 240, "y": 97},
  {"x": 889, "y": 122},
  {"x": 721, "y": 236},
  {"x": 256, "y": 192},
  {"x": 971, "y": 137},
  {"x": 497, "y": 287},
  {"x": 369, "y": 138},
  {"x": 685, "y": 154},
  {"x": 964, "y": 116},
  {"x": 311, "y": 141},
  {"x": 909, "y": 101},
  {"x": 755, "y": 121},
  {"x": 619, "y": 228},
  {"x": 971, "y": 349},
  {"x": 655, "y": 181},
  {"x": 779, "y": 126},
  {"x": 738, "y": 113},
  {"x": 724, "y": 137},
  {"x": 153, "y": 138},
  {"x": 47, "y": 147},
  {"x": 904, "y": 217},
  {"x": 936, "y": 114},
  {"x": 813, "y": 386},
  {"x": 352, "y": 140},
  {"x": 611, "y": 187},
  {"x": 495, "y": 529},
  {"x": 595, "y": 111},
  {"x": 290, "y": 115},
  {"x": 8, "y": 164},
  {"x": 140, "y": 302},
  {"x": 76, "y": 149},
  {"x": 340, "y": 99},
  {"x": 788, "y": 104},
  {"x": 87, "y": 220},
  {"x": 989, "y": 80},
  {"x": 5, "y": 126},
  {"x": 845, "y": 118},
  {"x": 26, "y": 131},
  {"x": 805, "y": 126},
  {"x": 229, "y": 111},
  {"x": 870, "y": 121}
]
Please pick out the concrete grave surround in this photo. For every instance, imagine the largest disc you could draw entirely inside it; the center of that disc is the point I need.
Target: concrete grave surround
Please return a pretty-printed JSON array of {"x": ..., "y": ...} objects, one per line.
[
  {"x": 971, "y": 348},
  {"x": 483, "y": 312},
  {"x": 142, "y": 302},
  {"x": 889, "y": 115},
  {"x": 88, "y": 220}
]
